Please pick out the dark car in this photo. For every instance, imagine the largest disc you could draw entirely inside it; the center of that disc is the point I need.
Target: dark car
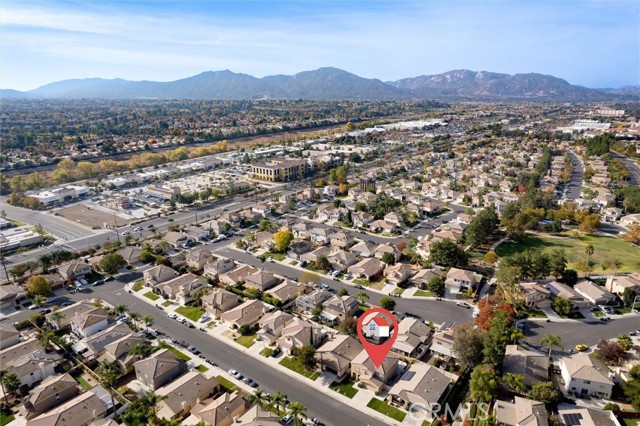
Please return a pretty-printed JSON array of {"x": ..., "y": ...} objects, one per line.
[
  {"x": 202, "y": 329},
  {"x": 97, "y": 283},
  {"x": 150, "y": 226},
  {"x": 276, "y": 352},
  {"x": 159, "y": 307},
  {"x": 109, "y": 278},
  {"x": 188, "y": 324},
  {"x": 45, "y": 311},
  {"x": 67, "y": 303},
  {"x": 211, "y": 362}
]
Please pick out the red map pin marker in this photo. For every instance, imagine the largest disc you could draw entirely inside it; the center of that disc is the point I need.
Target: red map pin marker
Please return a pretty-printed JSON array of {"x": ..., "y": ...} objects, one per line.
[{"x": 377, "y": 327}]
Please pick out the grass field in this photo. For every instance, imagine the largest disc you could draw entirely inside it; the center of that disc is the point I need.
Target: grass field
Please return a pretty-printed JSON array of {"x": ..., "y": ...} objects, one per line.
[
  {"x": 604, "y": 248},
  {"x": 345, "y": 388},
  {"x": 192, "y": 312},
  {"x": 292, "y": 364},
  {"x": 384, "y": 408},
  {"x": 247, "y": 341},
  {"x": 151, "y": 295},
  {"x": 227, "y": 384},
  {"x": 138, "y": 285}
]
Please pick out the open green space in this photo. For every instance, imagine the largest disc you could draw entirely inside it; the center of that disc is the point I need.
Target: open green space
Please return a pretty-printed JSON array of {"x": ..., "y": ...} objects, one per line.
[
  {"x": 345, "y": 388},
  {"x": 277, "y": 256},
  {"x": 293, "y": 364},
  {"x": 604, "y": 248},
  {"x": 151, "y": 295},
  {"x": 247, "y": 341},
  {"x": 138, "y": 285},
  {"x": 192, "y": 312},
  {"x": 384, "y": 408}
]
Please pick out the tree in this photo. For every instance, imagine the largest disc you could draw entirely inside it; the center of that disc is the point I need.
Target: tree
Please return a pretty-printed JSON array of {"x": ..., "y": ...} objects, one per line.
[
  {"x": 45, "y": 262},
  {"x": 610, "y": 352},
  {"x": 482, "y": 226},
  {"x": 277, "y": 400},
  {"x": 296, "y": 409},
  {"x": 515, "y": 383},
  {"x": 265, "y": 225},
  {"x": 110, "y": 263},
  {"x": 388, "y": 258},
  {"x": 388, "y": 303},
  {"x": 557, "y": 261},
  {"x": 150, "y": 402},
  {"x": 135, "y": 317},
  {"x": 436, "y": 286},
  {"x": 496, "y": 339},
  {"x": 140, "y": 350},
  {"x": 490, "y": 258},
  {"x": 448, "y": 254},
  {"x": 629, "y": 296},
  {"x": 309, "y": 277},
  {"x": 362, "y": 296},
  {"x": 487, "y": 309},
  {"x": 146, "y": 256},
  {"x": 109, "y": 375},
  {"x": 306, "y": 355},
  {"x": 625, "y": 342},
  {"x": 259, "y": 398},
  {"x": 551, "y": 340},
  {"x": 148, "y": 321},
  {"x": 562, "y": 306},
  {"x": 483, "y": 383},
  {"x": 589, "y": 224},
  {"x": 349, "y": 326},
  {"x": 468, "y": 345},
  {"x": 10, "y": 382},
  {"x": 632, "y": 235},
  {"x": 323, "y": 263},
  {"x": 343, "y": 292},
  {"x": 588, "y": 250},
  {"x": 120, "y": 309},
  {"x": 632, "y": 387},
  {"x": 544, "y": 392},
  {"x": 38, "y": 286}
]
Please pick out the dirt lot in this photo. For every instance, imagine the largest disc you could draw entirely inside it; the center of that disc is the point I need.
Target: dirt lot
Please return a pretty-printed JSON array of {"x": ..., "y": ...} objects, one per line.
[{"x": 90, "y": 217}]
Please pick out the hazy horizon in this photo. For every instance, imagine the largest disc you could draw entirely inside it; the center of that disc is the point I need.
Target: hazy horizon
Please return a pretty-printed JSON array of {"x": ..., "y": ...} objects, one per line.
[{"x": 591, "y": 43}]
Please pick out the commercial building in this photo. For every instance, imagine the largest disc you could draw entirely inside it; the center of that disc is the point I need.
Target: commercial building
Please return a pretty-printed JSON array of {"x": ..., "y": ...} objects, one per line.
[{"x": 279, "y": 170}]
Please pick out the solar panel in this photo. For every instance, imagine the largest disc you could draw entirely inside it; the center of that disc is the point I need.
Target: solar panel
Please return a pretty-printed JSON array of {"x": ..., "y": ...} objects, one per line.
[{"x": 572, "y": 419}]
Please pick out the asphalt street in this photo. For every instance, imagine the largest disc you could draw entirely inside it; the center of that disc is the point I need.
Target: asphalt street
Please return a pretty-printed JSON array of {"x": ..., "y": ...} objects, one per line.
[
  {"x": 575, "y": 183},
  {"x": 632, "y": 166}
]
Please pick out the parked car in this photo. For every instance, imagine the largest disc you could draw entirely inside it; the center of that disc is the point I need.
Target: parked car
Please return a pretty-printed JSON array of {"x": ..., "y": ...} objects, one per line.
[
  {"x": 188, "y": 324},
  {"x": 67, "y": 303},
  {"x": 124, "y": 233},
  {"x": 172, "y": 315},
  {"x": 235, "y": 374},
  {"x": 202, "y": 329},
  {"x": 358, "y": 286},
  {"x": 276, "y": 352},
  {"x": 581, "y": 347},
  {"x": 159, "y": 307},
  {"x": 211, "y": 362}
]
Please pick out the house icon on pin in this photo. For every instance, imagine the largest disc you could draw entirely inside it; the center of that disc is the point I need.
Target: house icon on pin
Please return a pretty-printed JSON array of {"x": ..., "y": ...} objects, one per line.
[{"x": 376, "y": 327}]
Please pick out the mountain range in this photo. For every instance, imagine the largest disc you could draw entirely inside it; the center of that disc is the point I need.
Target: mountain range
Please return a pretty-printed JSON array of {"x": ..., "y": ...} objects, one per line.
[{"x": 330, "y": 84}]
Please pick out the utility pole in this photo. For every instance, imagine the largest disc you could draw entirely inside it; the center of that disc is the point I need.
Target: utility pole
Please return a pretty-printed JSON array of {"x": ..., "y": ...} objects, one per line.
[
  {"x": 3, "y": 241},
  {"x": 115, "y": 224}
]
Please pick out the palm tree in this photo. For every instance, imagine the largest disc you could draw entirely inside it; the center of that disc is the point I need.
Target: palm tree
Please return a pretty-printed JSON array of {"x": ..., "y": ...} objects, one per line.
[
  {"x": 589, "y": 251},
  {"x": 38, "y": 300},
  {"x": 259, "y": 398},
  {"x": 297, "y": 409},
  {"x": 515, "y": 334},
  {"x": 150, "y": 401},
  {"x": 55, "y": 319},
  {"x": 277, "y": 399},
  {"x": 109, "y": 375},
  {"x": 140, "y": 350},
  {"x": 362, "y": 297},
  {"x": 135, "y": 317},
  {"x": 551, "y": 340},
  {"x": 147, "y": 320},
  {"x": 45, "y": 337},
  {"x": 10, "y": 383},
  {"x": 120, "y": 309}
]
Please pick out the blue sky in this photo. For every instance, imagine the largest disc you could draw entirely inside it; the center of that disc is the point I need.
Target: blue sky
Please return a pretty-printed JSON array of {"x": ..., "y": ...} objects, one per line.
[{"x": 595, "y": 43}]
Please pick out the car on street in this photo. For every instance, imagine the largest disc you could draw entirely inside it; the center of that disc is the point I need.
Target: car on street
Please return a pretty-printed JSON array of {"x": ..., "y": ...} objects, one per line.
[
  {"x": 188, "y": 324},
  {"x": 125, "y": 233},
  {"x": 203, "y": 329},
  {"x": 67, "y": 303},
  {"x": 358, "y": 286},
  {"x": 172, "y": 315},
  {"x": 250, "y": 382},
  {"x": 276, "y": 352},
  {"x": 34, "y": 307},
  {"x": 159, "y": 307},
  {"x": 235, "y": 374},
  {"x": 581, "y": 347}
]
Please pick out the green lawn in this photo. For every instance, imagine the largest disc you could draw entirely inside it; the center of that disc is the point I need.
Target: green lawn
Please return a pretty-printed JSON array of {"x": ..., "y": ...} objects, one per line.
[
  {"x": 597, "y": 313},
  {"x": 176, "y": 352},
  {"x": 345, "y": 388},
  {"x": 138, "y": 285},
  {"x": 292, "y": 364},
  {"x": 167, "y": 303},
  {"x": 151, "y": 295},
  {"x": 266, "y": 352},
  {"x": 424, "y": 293},
  {"x": 82, "y": 382},
  {"x": 384, "y": 408},
  {"x": 202, "y": 368},
  {"x": 5, "y": 419},
  {"x": 277, "y": 256},
  {"x": 373, "y": 284},
  {"x": 247, "y": 341},
  {"x": 192, "y": 312},
  {"x": 533, "y": 313},
  {"x": 398, "y": 290},
  {"x": 631, "y": 422},
  {"x": 604, "y": 248},
  {"x": 227, "y": 384}
]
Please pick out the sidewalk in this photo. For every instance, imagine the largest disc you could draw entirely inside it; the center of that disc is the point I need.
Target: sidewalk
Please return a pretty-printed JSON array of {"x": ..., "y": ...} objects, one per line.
[{"x": 218, "y": 333}]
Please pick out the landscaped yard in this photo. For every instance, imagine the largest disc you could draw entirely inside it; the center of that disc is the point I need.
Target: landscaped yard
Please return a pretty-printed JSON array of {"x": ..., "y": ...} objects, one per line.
[
  {"x": 192, "y": 312},
  {"x": 151, "y": 295},
  {"x": 373, "y": 284},
  {"x": 293, "y": 364},
  {"x": 604, "y": 248},
  {"x": 227, "y": 384},
  {"x": 533, "y": 313},
  {"x": 82, "y": 382},
  {"x": 266, "y": 352},
  {"x": 202, "y": 368},
  {"x": 138, "y": 285},
  {"x": 167, "y": 303},
  {"x": 398, "y": 290},
  {"x": 176, "y": 352},
  {"x": 424, "y": 293},
  {"x": 386, "y": 409},
  {"x": 345, "y": 388},
  {"x": 247, "y": 341},
  {"x": 4, "y": 419},
  {"x": 277, "y": 256}
]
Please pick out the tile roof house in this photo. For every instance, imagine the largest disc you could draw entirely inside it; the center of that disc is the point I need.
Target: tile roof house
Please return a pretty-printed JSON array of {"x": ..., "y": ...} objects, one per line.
[
  {"x": 197, "y": 259},
  {"x": 392, "y": 249},
  {"x": 88, "y": 323},
  {"x": 183, "y": 393},
  {"x": 521, "y": 412},
  {"x": 575, "y": 415},
  {"x": 94, "y": 346},
  {"x": 176, "y": 239},
  {"x": 533, "y": 366},
  {"x": 159, "y": 369},
  {"x": 339, "y": 308},
  {"x": 130, "y": 254},
  {"x": 619, "y": 283},
  {"x": 421, "y": 384},
  {"x": 298, "y": 248},
  {"x": 237, "y": 275},
  {"x": 564, "y": 291},
  {"x": 313, "y": 300},
  {"x": 221, "y": 411},
  {"x": 364, "y": 249},
  {"x": 248, "y": 313},
  {"x": 119, "y": 351},
  {"x": 341, "y": 239},
  {"x": 73, "y": 270},
  {"x": 413, "y": 338},
  {"x": 398, "y": 273},
  {"x": 182, "y": 288},
  {"x": 297, "y": 333},
  {"x": 9, "y": 336},
  {"x": 421, "y": 278},
  {"x": 158, "y": 275},
  {"x": 29, "y": 362},
  {"x": 594, "y": 293},
  {"x": 320, "y": 235},
  {"x": 336, "y": 355},
  {"x": 374, "y": 378},
  {"x": 442, "y": 343},
  {"x": 367, "y": 268},
  {"x": 271, "y": 326},
  {"x": 536, "y": 295},
  {"x": 261, "y": 280},
  {"x": 285, "y": 291},
  {"x": 583, "y": 375},
  {"x": 79, "y": 411},
  {"x": 219, "y": 301},
  {"x": 460, "y": 280},
  {"x": 214, "y": 268},
  {"x": 53, "y": 391},
  {"x": 341, "y": 260}
]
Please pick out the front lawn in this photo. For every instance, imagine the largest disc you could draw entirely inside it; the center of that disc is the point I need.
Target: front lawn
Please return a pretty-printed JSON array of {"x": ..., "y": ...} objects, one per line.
[
  {"x": 604, "y": 248},
  {"x": 82, "y": 382},
  {"x": 138, "y": 285},
  {"x": 192, "y": 312},
  {"x": 533, "y": 313},
  {"x": 345, "y": 388},
  {"x": 266, "y": 352},
  {"x": 384, "y": 408},
  {"x": 292, "y": 364},
  {"x": 277, "y": 256},
  {"x": 398, "y": 290},
  {"x": 202, "y": 368},
  {"x": 176, "y": 352},
  {"x": 597, "y": 313},
  {"x": 624, "y": 310},
  {"x": 151, "y": 295},
  {"x": 6, "y": 419},
  {"x": 167, "y": 303},
  {"x": 227, "y": 384},
  {"x": 373, "y": 284},
  {"x": 424, "y": 293},
  {"x": 247, "y": 341}
]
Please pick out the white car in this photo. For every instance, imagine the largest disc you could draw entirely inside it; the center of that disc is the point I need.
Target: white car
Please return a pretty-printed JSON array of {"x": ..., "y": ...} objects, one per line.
[
  {"x": 126, "y": 233},
  {"x": 172, "y": 315},
  {"x": 269, "y": 259},
  {"x": 203, "y": 318}
]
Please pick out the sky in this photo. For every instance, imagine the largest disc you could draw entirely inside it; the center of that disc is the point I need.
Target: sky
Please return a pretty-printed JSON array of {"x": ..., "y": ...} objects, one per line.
[{"x": 594, "y": 43}]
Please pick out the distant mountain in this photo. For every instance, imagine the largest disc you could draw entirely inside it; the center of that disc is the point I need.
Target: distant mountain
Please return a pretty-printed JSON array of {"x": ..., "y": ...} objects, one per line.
[
  {"x": 467, "y": 84},
  {"x": 328, "y": 84},
  {"x": 624, "y": 90}
]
